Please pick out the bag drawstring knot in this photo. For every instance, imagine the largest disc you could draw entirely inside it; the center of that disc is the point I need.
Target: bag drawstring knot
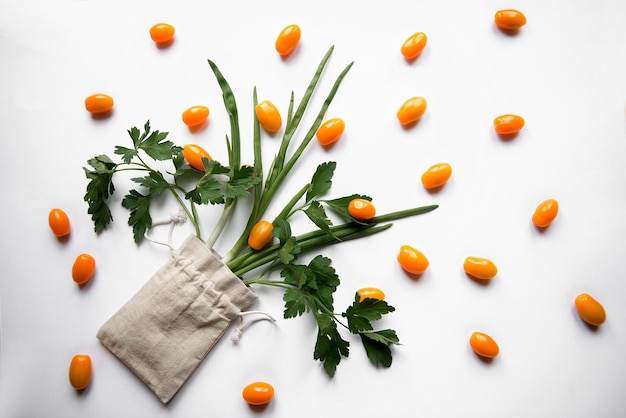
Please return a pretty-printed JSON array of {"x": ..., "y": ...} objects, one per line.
[
  {"x": 243, "y": 325},
  {"x": 175, "y": 219}
]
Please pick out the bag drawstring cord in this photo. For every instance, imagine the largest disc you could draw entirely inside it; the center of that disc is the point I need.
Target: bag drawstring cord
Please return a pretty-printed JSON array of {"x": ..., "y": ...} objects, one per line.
[
  {"x": 175, "y": 219},
  {"x": 243, "y": 325}
]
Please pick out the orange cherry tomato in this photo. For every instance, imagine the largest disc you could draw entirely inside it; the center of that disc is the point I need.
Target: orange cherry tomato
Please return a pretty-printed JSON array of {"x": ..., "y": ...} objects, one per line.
[
  {"x": 545, "y": 213},
  {"x": 484, "y": 345},
  {"x": 361, "y": 209},
  {"x": 509, "y": 19},
  {"x": 83, "y": 269},
  {"x": 59, "y": 223},
  {"x": 268, "y": 116},
  {"x": 414, "y": 45},
  {"x": 99, "y": 103},
  {"x": 330, "y": 131},
  {"x": 195, "y": 115},
  {"x": 370, "y": 293},
  {"x": 288, "y": 40},
  {"x": 590, "y": 310},
  {"x": 260, "y": 235},
  {"x": 80, "y": 371},
  {"x": 437, "y": 175},
  {"x": 162, "y": 33},
  {"x": 411, "y": 110},
  {"x": 481, "y": 268},
  {"x": 258, "y": 393},
  {"x": 508, "y": 124},
  {"x": 412, "y": 260},
  {"x": 194, "y": 154}
]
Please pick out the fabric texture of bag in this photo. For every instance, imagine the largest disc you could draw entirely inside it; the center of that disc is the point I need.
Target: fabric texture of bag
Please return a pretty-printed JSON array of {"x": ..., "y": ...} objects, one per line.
[{"x": 169, "y": 326}]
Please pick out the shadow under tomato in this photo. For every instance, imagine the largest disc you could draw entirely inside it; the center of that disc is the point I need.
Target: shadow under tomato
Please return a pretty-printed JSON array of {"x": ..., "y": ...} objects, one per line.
[
  {"x": 480, "y": 282},
  {"x": 434, "y": 190},
  {"x": 485, "y": 360},
  {"x": 102, "y": 115},
  {"x": 64, "y": 239},
  {"x": 165, "y": 45},
  {"x": 292, "y": 55},
  {"x": 416, "y": 277},
  {"x": 593, "y": 328},
  {"x": 411, "y": 125},
  {"x": 257, "y": 409},
  {"x": 508, "y": 32},
  {"x": 508, "y": 137},
  {"x": 199, "y": 128}
]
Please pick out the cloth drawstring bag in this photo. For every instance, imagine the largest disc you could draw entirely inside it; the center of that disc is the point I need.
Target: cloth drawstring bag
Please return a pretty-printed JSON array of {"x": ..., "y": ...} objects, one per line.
[{"x": 169, "y": 326}]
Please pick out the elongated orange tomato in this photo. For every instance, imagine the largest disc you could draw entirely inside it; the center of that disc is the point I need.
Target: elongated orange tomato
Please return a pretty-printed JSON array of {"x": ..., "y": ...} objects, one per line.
[
  {"x": 484, "y": 345},
  {"x": 195, "y": 116},
  {"x": 258, "y": 393},
  {"x": 411, "y": 110},
  {"x": 59, "y": 223},
  {"x": 83, "y": 269},
  {"x": 508, "y": 124},
  {"x": 288, "y": 39},
  {"x": 361, "y": 209},
  {"x": 330, "y": 131},
  {"x": 412, "y": 260},
  {"x": 80, "y": 371},
  {"x": 260, "y": 235},
  {"x": 590, "y": 310},
  {"x": 162, "y": 33},
  {"x": 437, "y": 175},
  {"x": 194, "y": 154},
  {"x": 509, "y": 19},
  {"x": 545, "y": 213},
  {"x": 414, "y": 45},
  {"x": 481, "y": 268},
  {"x": 99, "y": 103},
  {"x": 268, "y": 116},
  {"x": 370, "y": 293}
]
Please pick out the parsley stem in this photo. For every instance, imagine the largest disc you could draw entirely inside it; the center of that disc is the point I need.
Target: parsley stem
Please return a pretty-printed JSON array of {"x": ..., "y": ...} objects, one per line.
[{"x": 287, "y": 210}]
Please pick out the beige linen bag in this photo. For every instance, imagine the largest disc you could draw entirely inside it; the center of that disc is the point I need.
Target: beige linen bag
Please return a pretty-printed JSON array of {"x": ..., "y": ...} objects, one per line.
[{"x": 168, "y": 327}]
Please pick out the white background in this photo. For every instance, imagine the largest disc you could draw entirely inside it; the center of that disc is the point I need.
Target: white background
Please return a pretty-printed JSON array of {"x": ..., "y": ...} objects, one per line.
[{"x": 564, "y": 73}]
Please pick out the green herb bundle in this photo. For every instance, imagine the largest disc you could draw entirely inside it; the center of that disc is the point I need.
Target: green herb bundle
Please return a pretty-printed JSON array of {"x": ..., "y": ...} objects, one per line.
[{"x": 308, "y": 288}]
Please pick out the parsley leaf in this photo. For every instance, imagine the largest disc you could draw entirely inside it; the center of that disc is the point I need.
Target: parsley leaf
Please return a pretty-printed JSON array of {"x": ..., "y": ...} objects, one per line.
[
  {"x": 99, "y": 189},
  {"x": 321, "y": 181},
  {"x": 127, "y": 153},
  {"x": 377, "y": 344},
  {"x": 140, "y": 218},
  {"x": 340, "y": 206},
  {"x": 208, "y": 190},
  {"x": 329, "y": 346},
  {"x": 361, "y": 314},
  {"x": 157, "y": 147},
  {"x": 153, "y": 182},
  {"x": 316, "y": 213}
]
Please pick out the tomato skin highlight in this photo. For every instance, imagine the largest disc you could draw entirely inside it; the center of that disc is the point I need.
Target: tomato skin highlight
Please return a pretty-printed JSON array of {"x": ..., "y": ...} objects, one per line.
[
  {"x": 330, "y": 131},
  {"x": 258, "y": 393},
  {"x": 361, "y": 209},
  {"x": 509, "y": 19},
  {"x": 436, "y": 176},
  {"x": 545, "y": 213},
  {"x": 414, "y": 45},
  {"x": 80, "y": 371},
  {"x": 508, "y": 124},
  {"x": 412, "y": 260},
  {"x": 59, "y": 223},
  {"x": 195, "y": 116},
  {"x": 412, "y": 110},
  {"x": 484, "y": 345},
  {"x": 268, "y": 116},
  {"x": 288, "y": 39},
  {"x": 162, "y": 33},
  {"x": 99, "y": 103},
  {"x": 590, "y": 310},
  {"x": 260, "y": 235},
  {"x": 194, "y": 154},
  {"x": 481, "y": 268},
  {"x": 83, "y": 269},
  {"x": 370, "y": 293}
]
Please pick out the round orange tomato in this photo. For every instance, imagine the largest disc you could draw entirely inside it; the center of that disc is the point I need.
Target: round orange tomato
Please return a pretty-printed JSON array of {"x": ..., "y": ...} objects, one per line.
[
  {"x": 99, "y": 103},
  {"x": 258, "y": 393},
  {"x": 288, "y": 40},
  {"x": 414, "y": 45},
  {"x": 330, "y": 131},
  {"x": 361, "y": 209},
  {"x": 484, "y": 345},
  {"x": 59, "y": 223},
  {"x": 268, "y": 116},
  {"x": 370, "y": 293},
  {"x": 412, "y": 260},
  {"x": 590, "y": 310},
  {"x": 195, "y": 116},
  {"x": 83, "y": 269},
  {"x": 509, "y": 19},
  {"x": 411, "y": 110},
  {"x": 437, "y": 175},
  {"x": 481, "y": 268},
  {"x": 508, "y": 124},
  {"x": 162, "y": 33},
  {"x": 80, "y": 371},
  {"x": 545, "y": 213},
  {"x": 260, "y": 235},
  {"x": 194, "y": 154}
]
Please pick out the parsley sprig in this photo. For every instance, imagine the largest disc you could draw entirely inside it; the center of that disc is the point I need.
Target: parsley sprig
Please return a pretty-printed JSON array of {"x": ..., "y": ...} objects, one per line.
[{"x": 308, "y": 288}]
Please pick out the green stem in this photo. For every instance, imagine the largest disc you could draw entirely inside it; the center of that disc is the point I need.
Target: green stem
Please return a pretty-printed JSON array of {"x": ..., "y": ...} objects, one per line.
[
  {"x": 287, "y": 210},
  {"x": 221, "y": 224}
]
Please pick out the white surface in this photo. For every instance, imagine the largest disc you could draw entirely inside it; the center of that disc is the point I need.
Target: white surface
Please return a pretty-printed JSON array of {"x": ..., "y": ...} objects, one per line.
[{"x": 564, "y": 72}]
